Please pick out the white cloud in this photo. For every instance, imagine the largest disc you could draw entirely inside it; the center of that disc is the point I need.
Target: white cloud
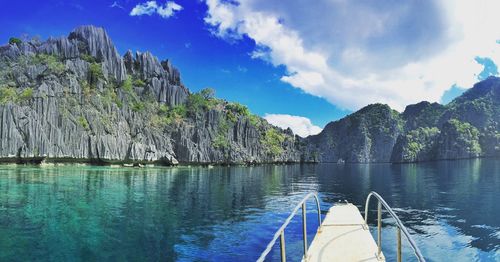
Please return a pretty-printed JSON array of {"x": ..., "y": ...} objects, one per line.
[
  {"x": 169, "y": 9},
  {"x": 301, "y": 126},
  {"x": 353, "y": 53},
  {"x": 147, "y": 8},
  {"x": 151, "y": 7}
]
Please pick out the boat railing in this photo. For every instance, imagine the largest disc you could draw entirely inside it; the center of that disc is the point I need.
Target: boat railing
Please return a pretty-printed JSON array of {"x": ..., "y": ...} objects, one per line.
[
  {"x": 281, "y": 231},
  {"x": 399, "y": 225}
]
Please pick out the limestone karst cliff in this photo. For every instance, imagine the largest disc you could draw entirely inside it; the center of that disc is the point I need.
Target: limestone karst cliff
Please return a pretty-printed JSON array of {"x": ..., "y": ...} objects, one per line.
[
  {"x": 468, "y": 127},
  {"x": 75, "y": 98}
]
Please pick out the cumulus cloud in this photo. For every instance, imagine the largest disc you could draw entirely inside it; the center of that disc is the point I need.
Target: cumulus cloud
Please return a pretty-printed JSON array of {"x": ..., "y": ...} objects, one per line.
[
  {"x": 151, "y": 7},
  {"x": 353, "y": 53},
  {"x": 301, "y": 126}
]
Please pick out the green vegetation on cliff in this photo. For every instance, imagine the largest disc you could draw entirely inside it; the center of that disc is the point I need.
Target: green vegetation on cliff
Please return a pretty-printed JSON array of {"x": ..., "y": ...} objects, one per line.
[
  {"x": 272, "y": 141},
  {"x": 458, "y": 140},
  {"x": 364, "y": 136},
  {"x": 107, "y": 108},
  {"x": 416, "y": 145},
  {"x": 7, "y": 94},
  {"x": 53, "y": 63},
  {"x": 465, "y": 128},
  {"x": 136, "y": 107},
  {"x": 10, "y": 94},
  {"x": 202, "y": 101},
  {"x": 15, "y": 41},
  {"x": 423, "y": 114},
  {"x": 95, "y": 71}
]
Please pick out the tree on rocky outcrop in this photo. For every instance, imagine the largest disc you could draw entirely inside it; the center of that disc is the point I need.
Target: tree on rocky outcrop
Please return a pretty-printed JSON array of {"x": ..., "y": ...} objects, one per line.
[{"x": 15, "y": 41}]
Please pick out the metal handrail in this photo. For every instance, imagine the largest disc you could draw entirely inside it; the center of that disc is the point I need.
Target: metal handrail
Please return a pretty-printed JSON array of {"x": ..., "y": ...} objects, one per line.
[
  {"x": 400, "y": 227},
  {"x": 281, "y": 231}
]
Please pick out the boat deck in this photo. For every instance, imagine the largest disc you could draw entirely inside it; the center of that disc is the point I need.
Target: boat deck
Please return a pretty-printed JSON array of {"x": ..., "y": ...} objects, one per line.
[{"x": 344, "y": 236}]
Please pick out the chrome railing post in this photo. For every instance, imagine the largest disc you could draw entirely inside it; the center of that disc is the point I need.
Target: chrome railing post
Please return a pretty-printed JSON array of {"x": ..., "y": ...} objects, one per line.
[
  {"x": 304, "y": 228},
  {"x": 280, "y": 233},
  {"x": 379, "y": 227},
  {"x": 401, "y": 229},
  {"x": 367, "y": 204},
  {"x": 319, "y": 212},
  {"x": 399, "y": 244},
  {"x": 282, "y": 246}
]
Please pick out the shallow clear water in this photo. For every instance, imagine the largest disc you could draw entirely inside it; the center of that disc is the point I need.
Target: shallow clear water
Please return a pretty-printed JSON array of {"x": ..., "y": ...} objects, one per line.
[{"x": 230, "y": 213}]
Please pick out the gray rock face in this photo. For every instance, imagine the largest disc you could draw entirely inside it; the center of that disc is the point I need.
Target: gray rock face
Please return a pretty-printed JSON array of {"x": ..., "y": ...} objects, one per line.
[
  {"x": 416, "y": 145},
  {"x": 61, "y": 47},
  {"x": 76, "y": 99},
  {"x": 365, "y": 136},
  {"x": 58, "y": 126},
  {"x": 423, "y": 114},
  {"x": 164, "y": 79},
  {"x": 458, "y": 140},
  {"x": 195, "y": 142},
  {"x": 468, "y": 127},
  {"x": 479, "y": 106},
  {"x": 94, "y": 41}
]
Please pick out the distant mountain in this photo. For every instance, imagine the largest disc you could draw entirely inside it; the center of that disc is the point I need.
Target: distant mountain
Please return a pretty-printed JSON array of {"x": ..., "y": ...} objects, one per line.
[
  {"x": 365, "y": 136},
  {"x": 76, "y": 99},
  {"x": 468, "y": 127}
]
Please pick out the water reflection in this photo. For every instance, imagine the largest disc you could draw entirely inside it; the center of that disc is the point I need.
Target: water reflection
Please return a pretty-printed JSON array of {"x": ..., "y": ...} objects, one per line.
[{"x": 228, "y": 214}]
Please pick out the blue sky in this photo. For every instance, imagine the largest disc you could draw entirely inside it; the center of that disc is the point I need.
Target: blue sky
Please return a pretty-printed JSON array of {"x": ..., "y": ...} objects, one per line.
[{"x": 339, "y": 56}]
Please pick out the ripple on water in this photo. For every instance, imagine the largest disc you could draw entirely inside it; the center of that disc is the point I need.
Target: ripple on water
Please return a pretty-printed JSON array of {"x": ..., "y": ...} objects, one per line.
[{"x": 231, "y": 213}]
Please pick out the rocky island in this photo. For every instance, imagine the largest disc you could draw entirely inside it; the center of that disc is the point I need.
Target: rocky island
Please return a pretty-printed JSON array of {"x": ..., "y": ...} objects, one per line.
[
  {"x": 468, "y": 127},
  {"x": 77, "y": 99}
]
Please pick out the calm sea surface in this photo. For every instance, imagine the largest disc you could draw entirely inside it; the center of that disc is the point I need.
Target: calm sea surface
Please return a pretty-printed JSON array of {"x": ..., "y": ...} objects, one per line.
[{"x": 83, "y": 213}]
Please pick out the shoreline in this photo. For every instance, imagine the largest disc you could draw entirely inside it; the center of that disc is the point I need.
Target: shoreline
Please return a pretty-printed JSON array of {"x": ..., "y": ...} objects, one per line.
[{"x": 140, "y": 164}]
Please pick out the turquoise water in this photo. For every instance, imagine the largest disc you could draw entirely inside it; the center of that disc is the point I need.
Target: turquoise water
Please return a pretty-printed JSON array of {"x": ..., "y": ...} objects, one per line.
[{"x": 82, "y": 213}]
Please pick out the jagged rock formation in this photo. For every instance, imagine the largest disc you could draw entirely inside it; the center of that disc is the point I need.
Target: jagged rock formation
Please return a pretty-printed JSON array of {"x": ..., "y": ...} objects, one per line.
[
  {"x": 165, "y": 80},
  {"x": 76, "y": 99},
  {"x": 468, "y": 127}
]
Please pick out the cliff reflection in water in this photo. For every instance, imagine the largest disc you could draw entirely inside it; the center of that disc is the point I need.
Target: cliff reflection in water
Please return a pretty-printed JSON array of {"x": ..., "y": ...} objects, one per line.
[{"x": 230, "y": 213}]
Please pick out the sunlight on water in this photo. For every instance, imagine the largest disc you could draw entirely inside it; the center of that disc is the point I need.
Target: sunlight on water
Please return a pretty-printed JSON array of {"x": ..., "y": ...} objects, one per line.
[{"x": 230, "y": 213}]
